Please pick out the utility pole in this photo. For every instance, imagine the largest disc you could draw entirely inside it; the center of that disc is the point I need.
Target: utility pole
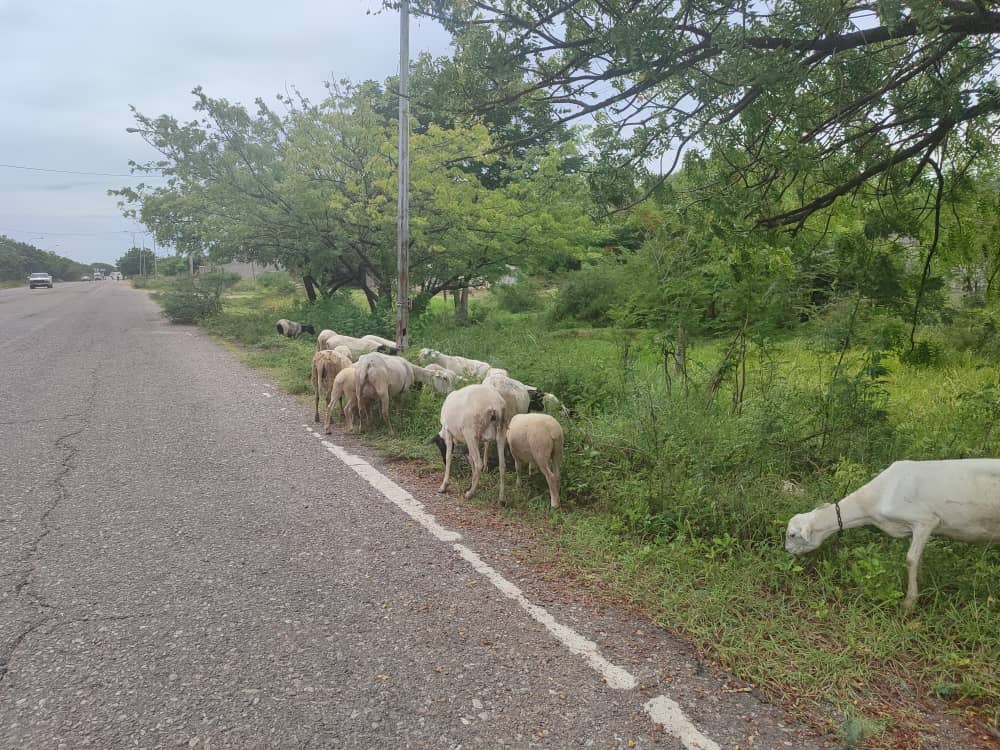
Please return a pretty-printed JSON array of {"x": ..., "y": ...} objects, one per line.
[
  {"x": 154, "y": 255},
  {"x": 403, "y": 204}
]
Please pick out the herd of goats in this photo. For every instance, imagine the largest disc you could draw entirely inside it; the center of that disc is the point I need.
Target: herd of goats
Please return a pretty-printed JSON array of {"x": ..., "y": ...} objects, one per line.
[{"x": 957, "y": 498}]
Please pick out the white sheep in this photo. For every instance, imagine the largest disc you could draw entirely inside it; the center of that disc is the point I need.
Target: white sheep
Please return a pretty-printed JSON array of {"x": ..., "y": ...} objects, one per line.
[
  {"x": 321, "y": 338},
  {"x": 958, "y": 499},
  {"x": 325, "y": 366},
  {"x": 292, "y": 329},
  {"x": 441, "y": 380},
  {"x": 537, "y": 440},
  {"x": 468, "y": 368},
  {"x": 514, "y": 392},
  {"x": 357, "y": 346},
  {"x": 552, "y": 405},
  {"x": 472, "y": 415},
  {"x": 344, "y": 389},
  {"x": 380, "y": 376},
  {"x": 381, "y": 341},
  {"x": 343, "y": 350}
]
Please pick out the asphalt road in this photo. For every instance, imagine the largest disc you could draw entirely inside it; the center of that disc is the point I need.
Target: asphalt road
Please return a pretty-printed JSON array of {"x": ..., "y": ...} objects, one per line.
[{"x": 182, "y": 563}]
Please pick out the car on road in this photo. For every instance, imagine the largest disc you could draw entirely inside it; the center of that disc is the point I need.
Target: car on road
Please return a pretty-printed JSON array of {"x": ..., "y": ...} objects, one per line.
[
  {"x": 39, "y": 279},
  {"x": 85, "y": 277}
]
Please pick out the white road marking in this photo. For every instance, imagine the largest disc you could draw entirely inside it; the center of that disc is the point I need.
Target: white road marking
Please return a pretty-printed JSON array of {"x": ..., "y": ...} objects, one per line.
[
  {"x": 662, "y": 710},
  {"x": 666, "y": 712},
  {"x": 615, "y": 676}
]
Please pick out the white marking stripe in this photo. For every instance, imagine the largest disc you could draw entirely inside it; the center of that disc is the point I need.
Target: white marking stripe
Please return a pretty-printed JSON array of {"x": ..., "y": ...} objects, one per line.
[
  {"x": 615, "y": 676},
  {"x": 662, "y": 710},
  {"x": 392, "y": 491}
]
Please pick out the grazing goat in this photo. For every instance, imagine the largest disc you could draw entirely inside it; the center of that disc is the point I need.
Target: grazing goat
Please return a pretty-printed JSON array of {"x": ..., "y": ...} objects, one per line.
[
  {"x": 471, "y": 415},
  {"x": 344, "y": 390},
  {"x": 466, "y": 368},
  {"x": 325, "y": 367},
  {"x": 381, "y": 376},
  {"x": 958, "y": 499},
  {"x": 537, "y": 440},
  {"x": 292, "y": 330}
]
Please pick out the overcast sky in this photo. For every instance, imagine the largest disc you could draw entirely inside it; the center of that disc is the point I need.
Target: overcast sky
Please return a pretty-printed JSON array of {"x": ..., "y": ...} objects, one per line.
[{"x": 70, "y": 71}]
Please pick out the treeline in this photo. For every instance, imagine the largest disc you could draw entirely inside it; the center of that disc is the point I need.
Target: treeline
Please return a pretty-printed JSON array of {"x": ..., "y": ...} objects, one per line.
[
  {"x": 312, "y": 188},
  {"x": 18, "y": 260}
]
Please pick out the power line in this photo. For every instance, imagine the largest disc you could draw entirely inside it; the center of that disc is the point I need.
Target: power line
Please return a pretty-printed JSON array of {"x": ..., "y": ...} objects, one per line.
[{"x": 73, "y": 171}]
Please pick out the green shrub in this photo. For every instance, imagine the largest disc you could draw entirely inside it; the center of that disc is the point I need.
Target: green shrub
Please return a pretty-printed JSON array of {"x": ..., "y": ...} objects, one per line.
[
  {"x": 279, "y": 282},
  {"x": 342, "y": 313},
  {"x": 190, "y": 303},
  {"x": 589, "y": 295},
  {"x": 524, "y": 296},
  {"x": 193, "y": 300}
]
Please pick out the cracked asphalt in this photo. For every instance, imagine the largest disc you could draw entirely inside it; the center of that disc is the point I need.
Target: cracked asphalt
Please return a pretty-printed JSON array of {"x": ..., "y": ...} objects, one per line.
[{"x": 183, "y": 564}]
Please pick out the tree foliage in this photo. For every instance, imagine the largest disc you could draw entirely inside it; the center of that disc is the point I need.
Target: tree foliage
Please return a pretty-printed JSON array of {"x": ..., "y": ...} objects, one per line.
[
  {"x": 808, "y": 100},
  {"x": 314, "y": 191},
  {"x": 19, "y": 259}
]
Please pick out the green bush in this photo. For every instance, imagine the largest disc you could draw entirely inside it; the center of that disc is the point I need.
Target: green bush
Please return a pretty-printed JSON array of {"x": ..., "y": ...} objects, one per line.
[
  {"x": 278, "y": 282},
  {"x": 342, "y": 313},
  {"x": 589, "y": 295},
  {"x": 193, "y": 300},
  {"x": 189, "y": 303},
  {"x": 523, "y": 296}
]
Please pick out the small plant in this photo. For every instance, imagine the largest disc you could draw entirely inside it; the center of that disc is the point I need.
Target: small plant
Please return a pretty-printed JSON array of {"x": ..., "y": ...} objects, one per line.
[{"x": 867, "y": 570}]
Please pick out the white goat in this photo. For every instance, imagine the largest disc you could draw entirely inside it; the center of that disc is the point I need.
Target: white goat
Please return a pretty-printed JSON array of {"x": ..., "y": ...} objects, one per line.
[
  {"x": 292, "y": 329},
  {"x": 343, "y": 390},
  {"x": 537, "y": 440},
  {"x": 325, "y": 367},
  {"x": 958, "y": 499},
  {"x": 381, "y": 376},
  {"x": 471, "y": 415},
  {"x": 468, "y": 368}
]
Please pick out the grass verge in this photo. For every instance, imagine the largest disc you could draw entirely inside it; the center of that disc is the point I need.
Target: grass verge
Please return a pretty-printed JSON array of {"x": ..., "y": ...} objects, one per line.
[{"x": 677, "y": 503}]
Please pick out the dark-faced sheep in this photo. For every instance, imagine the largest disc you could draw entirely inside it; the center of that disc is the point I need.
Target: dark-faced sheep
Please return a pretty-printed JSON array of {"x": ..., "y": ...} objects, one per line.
[{"x": 292, "y": 329}]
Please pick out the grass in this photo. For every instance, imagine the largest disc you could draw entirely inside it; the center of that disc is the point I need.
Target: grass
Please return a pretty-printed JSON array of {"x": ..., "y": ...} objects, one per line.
[{"x": 678, "y": 505}]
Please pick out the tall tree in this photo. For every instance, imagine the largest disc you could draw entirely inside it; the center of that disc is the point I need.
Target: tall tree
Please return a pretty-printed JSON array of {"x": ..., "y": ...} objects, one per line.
[
  {"x": 314, "y": 191},
  {"x": 811, "y": 100}
]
